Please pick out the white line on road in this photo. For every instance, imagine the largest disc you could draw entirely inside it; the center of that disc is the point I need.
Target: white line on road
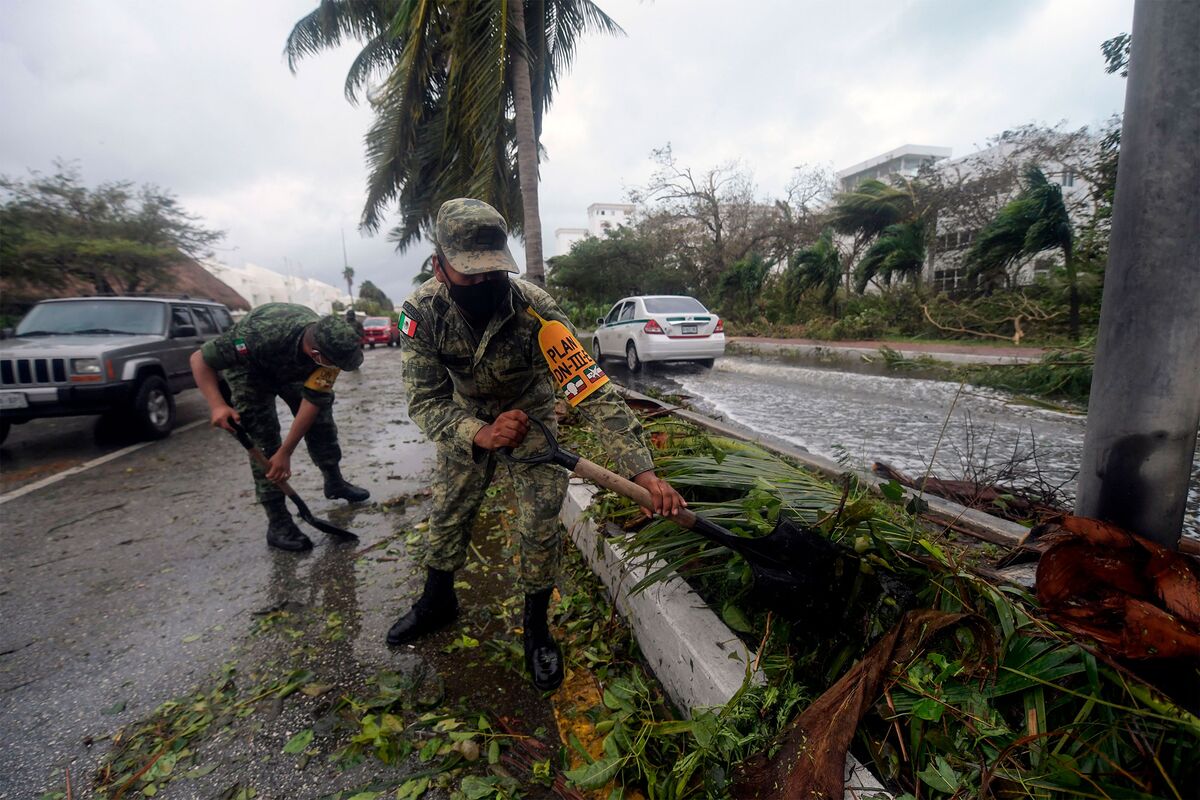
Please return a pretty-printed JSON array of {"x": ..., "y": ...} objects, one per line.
[{"x": 95, "y": 462}]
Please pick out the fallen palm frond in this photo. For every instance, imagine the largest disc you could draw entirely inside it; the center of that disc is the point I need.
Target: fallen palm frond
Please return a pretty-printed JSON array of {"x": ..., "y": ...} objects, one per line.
[{"x": 1034, "y": 712}]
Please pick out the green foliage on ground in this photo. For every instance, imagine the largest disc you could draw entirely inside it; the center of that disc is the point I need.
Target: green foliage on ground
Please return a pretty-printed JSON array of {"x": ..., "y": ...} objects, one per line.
[{"x": 1009, "y": 702}]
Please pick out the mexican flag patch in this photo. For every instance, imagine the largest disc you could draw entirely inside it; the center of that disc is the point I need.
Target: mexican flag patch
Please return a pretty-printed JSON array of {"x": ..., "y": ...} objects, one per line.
[
  {"x": 240, "y": 346},
  {"x": 407, "y": 325}
]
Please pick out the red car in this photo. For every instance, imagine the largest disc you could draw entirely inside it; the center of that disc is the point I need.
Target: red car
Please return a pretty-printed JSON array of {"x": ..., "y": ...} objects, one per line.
[{"x": 380, "y": 330}]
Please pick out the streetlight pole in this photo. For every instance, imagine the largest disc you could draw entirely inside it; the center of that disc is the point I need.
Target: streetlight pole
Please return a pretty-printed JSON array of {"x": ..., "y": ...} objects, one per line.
[{"x": 1145, "y": 400}]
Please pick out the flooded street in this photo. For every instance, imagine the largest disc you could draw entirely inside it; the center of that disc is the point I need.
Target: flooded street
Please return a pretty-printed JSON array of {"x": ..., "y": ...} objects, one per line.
[
  {"x": 136, "y": 579},
  {"x": 863, "y": 417}
]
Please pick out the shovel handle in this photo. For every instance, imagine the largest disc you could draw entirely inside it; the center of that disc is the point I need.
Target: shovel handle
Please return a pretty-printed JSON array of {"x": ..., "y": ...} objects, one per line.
[
  {"x": 257, "y": 456},
  {"x": 589, "y": 470}
]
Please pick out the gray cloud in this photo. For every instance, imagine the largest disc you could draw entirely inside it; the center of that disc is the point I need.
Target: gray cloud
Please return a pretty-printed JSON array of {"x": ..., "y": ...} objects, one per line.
[{"x": 196, "y": 97}]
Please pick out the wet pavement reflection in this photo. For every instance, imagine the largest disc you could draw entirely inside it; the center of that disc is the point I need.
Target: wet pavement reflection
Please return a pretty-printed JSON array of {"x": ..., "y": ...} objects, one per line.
[{"x": 870, "y": 414}]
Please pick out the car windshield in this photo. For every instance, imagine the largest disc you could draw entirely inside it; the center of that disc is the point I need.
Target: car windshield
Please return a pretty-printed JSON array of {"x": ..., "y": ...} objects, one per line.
[
  {"x": 376, "y": 322},
  {"x": 98, "y": 317},
  {"x": 673, "y": 305}
]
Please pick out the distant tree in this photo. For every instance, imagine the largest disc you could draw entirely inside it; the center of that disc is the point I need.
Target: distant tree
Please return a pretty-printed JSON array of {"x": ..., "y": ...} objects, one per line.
[
  {"x": 1036, "y": 220},
  {"x": 348, "y": 276},
  {"x": 54, "y": 229},
  {"x": 712, "y": 215},
  {"x": 373, "y": 294},
  {"x": 891, "y": 222},
  {"x": 898, "y": 252},
  {"x": 601, "y": 270},
  {"x": 816, "y": 267},
  {"x": 741, "y": 285}
]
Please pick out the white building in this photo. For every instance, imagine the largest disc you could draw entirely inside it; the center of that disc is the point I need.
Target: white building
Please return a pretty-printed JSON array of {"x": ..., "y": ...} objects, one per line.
[
  {"x": 944, "y": 264},
  {"x": 905, "y": 161},
  {"x": 602, "y": 217},
  {"x": 944, "y": 261},
  {"x": 260, "y": 285}
]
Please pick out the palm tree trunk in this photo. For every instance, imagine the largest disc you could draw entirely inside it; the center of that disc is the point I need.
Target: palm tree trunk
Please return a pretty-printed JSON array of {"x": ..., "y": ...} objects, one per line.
[
  {"x": 527, "y": 166},
  {"x": 1072, "y": 293}
]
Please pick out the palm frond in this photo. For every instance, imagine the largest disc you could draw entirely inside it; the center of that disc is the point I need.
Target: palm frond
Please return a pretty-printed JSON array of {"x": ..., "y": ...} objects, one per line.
[{"x": 898, "y": 252}]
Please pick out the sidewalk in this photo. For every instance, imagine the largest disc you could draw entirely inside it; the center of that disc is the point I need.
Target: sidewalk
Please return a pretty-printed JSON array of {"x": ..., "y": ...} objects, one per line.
[{"x": 855, "y": 350}]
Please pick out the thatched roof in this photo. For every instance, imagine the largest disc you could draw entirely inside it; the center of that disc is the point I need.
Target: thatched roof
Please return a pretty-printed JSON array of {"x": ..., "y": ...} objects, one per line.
[{"x": 184, "y": 277}]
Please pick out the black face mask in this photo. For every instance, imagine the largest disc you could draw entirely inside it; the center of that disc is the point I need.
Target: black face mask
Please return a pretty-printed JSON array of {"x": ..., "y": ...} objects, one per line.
[{"x": 480, "y": 301}]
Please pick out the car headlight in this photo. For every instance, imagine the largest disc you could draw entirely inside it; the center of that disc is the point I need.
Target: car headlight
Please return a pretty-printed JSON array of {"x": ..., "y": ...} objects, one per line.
[{"x": 85, "y": 366}]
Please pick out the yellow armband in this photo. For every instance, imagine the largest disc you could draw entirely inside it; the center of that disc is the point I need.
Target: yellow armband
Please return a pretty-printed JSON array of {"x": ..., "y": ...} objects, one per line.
[
  {"x": 573, "y": 368},
  {"x": 322, "y": 379}
]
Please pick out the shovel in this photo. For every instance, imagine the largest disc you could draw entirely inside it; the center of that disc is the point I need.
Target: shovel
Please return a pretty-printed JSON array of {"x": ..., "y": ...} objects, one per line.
[
  {"x": 797, "y": 571},
  {"x": 301, "y": 506}
]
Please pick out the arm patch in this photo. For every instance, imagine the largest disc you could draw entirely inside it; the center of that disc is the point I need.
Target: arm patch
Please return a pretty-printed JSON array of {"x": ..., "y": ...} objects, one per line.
[{"x": 322, "y": 379}]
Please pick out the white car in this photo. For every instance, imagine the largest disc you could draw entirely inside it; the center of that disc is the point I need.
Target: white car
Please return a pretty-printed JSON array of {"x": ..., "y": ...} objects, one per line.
[{"x": 659, "y": 328}]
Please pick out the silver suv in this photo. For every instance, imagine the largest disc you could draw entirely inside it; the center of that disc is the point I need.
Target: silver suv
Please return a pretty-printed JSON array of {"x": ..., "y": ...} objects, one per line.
[{"x": 125, "y": 356}]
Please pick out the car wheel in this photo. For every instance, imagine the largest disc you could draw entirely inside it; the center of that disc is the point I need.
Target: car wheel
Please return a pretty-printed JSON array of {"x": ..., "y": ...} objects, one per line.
[
  {"x": 4, "y": 429},
  {"x": 631, "y": 357},
  {"x": 372, "y": 345},
  {"x": 153, "y": 409},
  {"x": 706, "y": 362},
  {"x": 596, "y": 354}
]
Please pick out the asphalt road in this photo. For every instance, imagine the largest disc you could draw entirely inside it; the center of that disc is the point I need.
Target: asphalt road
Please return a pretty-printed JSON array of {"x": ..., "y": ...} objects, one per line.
[{"x": 125, "y": 584}]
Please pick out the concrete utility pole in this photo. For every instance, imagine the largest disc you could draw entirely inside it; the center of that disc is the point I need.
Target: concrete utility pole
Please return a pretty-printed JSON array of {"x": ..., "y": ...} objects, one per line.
[{"x": 1145, "y": 401}]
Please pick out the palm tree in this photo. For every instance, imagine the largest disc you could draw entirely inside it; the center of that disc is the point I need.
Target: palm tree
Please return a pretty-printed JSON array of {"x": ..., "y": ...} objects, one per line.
[
  {"x": 1034, "y": 221},
  {"x": 426, "y": 271},
  {"x": 348, "y": 275},
  {"x": 460, "y": 110},
  {"x": 818, "y": 266},
  {"x": 892, "y": 218},
  {"x": 899, "y": 251}
]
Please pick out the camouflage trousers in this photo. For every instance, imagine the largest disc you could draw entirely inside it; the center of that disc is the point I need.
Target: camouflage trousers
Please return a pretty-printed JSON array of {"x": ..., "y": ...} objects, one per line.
[
  {"x": 255, "y": 404},
  {"x": 459, "y": 484}
]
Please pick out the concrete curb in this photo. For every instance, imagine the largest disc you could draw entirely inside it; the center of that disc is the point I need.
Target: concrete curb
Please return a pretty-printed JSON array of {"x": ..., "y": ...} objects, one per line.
[
  {"x": 842, "y": 354},
  {"x": 697, "y": 658}
]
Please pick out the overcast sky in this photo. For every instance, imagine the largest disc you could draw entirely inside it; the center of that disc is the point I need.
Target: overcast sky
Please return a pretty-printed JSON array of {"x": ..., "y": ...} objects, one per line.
[{"x": 196, "y": 97}]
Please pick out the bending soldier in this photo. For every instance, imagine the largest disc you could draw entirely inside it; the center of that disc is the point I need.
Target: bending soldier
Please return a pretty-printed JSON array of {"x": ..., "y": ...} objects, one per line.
[
  {"x": 474, "y": 374},
  {"x": 288, "y": 351}
]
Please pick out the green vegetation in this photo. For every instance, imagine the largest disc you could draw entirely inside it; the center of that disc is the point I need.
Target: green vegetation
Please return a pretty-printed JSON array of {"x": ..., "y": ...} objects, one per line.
[
  {"x": 1005, "y": 704},
  {"x": 443, "y": 79},
  {"x": 55, "y": 231}
]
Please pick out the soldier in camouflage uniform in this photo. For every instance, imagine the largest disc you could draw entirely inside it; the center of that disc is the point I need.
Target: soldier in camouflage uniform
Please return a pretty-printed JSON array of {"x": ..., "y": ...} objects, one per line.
[
  {"x": 474, "y": 374},
  {"x": 288, "y": 351}
]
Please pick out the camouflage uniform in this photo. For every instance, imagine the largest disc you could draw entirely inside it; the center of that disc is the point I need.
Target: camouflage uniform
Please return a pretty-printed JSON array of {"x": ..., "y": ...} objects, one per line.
[
  {"x": 261, "y": 359},
  {"x": 458, "y": 380}
]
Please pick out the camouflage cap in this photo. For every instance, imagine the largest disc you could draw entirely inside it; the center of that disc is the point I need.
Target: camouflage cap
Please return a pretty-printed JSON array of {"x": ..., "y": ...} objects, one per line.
[
  {"x": 338, "y": 342},
  {"x": 473, "y": 237}
]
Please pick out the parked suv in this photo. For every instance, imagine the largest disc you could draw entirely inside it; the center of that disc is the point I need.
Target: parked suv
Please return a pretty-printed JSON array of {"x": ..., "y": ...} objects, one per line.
[
  {"x": 125, "y": 356},
  {"x": 380, "y": 330}
]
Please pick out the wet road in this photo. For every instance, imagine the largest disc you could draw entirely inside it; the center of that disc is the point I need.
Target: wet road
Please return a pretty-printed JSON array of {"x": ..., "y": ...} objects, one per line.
[
  {"x": 125, "y": 584},
  {"x": 869, "y": 415}
]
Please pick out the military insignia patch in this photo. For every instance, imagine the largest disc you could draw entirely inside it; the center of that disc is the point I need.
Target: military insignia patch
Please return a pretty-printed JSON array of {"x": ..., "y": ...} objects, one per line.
[
  {"x": 240, "y": 346},
  {"x": 407, "y": 325},
  {"x": 573, "y": 388}
]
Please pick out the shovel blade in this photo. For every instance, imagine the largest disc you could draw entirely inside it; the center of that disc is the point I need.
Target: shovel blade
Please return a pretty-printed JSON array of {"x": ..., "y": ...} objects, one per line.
[
  {"x": 801, "y": 574},
  {"x": 320, "y": 524}
]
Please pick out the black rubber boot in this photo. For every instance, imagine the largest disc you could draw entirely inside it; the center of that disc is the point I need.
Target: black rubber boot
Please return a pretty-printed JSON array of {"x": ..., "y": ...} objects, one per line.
[
  {"x": 337, "y": 488},
  {"x": 436, "y": 608},
  {"x": 543, "y": 658},
  {"x": 281, "y": 530}
]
